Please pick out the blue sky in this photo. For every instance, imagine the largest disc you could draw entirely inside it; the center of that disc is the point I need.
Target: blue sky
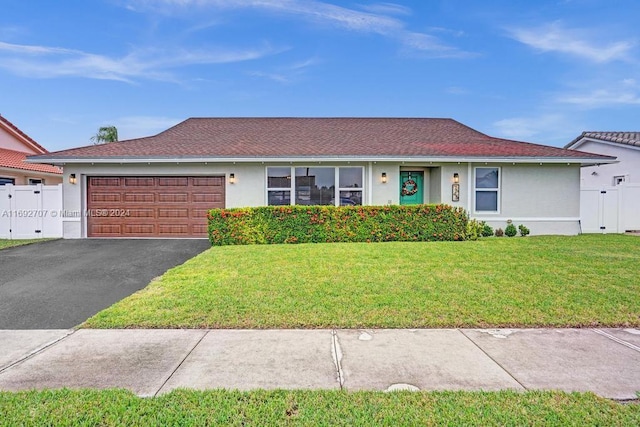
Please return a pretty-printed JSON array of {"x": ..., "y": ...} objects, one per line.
[{"x": 540, "y": 71}]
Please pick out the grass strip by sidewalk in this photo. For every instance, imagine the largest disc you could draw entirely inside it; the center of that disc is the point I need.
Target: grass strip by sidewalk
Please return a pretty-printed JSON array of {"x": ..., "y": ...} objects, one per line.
[
  {"x": 5, "y": 243},
  {"x": 581, "y": 281},
  {"x": 219, "y": 407}
]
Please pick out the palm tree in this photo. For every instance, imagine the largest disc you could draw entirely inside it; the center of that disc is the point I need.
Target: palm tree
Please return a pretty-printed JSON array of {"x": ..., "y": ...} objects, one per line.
[{"x": 105, "y": 134}]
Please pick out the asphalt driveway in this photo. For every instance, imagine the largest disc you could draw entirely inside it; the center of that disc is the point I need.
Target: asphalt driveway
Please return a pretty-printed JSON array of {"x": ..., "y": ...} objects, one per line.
[{"x": 59, "y": 284}]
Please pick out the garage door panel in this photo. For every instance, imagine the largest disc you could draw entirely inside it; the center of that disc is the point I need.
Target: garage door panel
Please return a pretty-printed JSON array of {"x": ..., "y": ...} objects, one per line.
[
  {"x": 173, "y": 182},
  {"x": 213, "y": 181},
  {"x": 105, "y": 197},
  {"x": 173, "y": 197},
  {"x": 207, "y": 198},
  {"x": 198, "y": 229},
  {"x": 140, "y": 213},
  {"x": 173, "y": 229},
  {"x": 106, "y": 230},
  {"x": 173, "y": 213},
  {"x": 138, "y": 230},
  {"x": 199, "y": 212},
  {"x": 139, "y": 182},
  {"x": 131, "y": 206},
  {"x": 139, "y": 197},
  {"x": 104, "y": 182}
]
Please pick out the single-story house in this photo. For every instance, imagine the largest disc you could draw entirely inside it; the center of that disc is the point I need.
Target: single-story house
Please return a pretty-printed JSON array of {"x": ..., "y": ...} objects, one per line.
[
  {"x": 163, "y": 185},
  {"x": 623, "y": 145},
  {"x": 15, "y": 146}
]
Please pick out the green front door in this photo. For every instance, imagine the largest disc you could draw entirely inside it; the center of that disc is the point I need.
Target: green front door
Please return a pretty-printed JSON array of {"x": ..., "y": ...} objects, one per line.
[{"x": 411, "y": 188}]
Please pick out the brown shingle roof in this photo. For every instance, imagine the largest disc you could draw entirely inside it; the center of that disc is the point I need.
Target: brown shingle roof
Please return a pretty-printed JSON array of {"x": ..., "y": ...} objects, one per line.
[
  {"x": 222, "y": 138},
  {"x": 16, "y": 160},
  {"x": 626, "y": 138}
]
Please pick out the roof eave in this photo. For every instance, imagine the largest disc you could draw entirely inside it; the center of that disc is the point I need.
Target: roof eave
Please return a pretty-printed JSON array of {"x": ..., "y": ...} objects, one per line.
[{"x": 60, "y": 161}]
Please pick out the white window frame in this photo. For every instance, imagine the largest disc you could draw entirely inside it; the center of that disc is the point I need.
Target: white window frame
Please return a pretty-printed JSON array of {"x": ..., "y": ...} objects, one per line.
[
  {"x": 289, "y": 189},
  {"x": 350, "y": 189},
  {"x": 498, "y": 190},
  {"x": 30, "y": 181},
  {"x": 292, "y": 189}
]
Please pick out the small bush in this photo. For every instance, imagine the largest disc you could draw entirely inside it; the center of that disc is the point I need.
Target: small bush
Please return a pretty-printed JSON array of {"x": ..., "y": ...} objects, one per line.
[
  {"x": 524, "y": 231},
  {"x": 487, "y": 231},
  {"x": 474, "y": 229},
  {"x": 510, "y": 231},
  {"x": 319, "y": 224},
  {"x": 499, "y": 232}
]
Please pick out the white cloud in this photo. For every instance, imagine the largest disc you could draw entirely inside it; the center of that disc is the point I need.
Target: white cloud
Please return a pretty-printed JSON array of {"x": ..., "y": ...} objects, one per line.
[
  {"x": 533, "y": 128},
  {"x": 602, "y": 98},
  {"x": 49, "y": 62},
  {"x": 432, "y": 46},
  {"x": 624, "y": 92},
  {"x": 375, "y": 19},
  {"x": 585, "y": 44},
  {"x": 457, "y": 90},
  {"x": 286, "y": 74},
  {"x": 386, "y": 8}
]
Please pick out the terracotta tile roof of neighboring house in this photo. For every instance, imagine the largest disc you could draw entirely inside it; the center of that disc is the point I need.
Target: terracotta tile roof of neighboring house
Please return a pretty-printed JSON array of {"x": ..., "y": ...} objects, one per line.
[
  {"x": 255, "y": 138},
  {"x": 626, "y": 138},
  {"x": 16, "y": 160},
  {"x": 21, "y": 135}
]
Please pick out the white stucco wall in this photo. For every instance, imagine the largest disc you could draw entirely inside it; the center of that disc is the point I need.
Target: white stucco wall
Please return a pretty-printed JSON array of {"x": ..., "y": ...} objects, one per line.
[
  {"x": 602, "y": 176},
  {"x": 546, "y": 198},
  {"x": 385, "y": 193}
]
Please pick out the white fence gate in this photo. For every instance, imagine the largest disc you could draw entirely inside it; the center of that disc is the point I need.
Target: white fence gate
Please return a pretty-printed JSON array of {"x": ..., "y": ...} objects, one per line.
[
  {"x": 610, "y": 210},
  {"x": 30, "y": 211}
]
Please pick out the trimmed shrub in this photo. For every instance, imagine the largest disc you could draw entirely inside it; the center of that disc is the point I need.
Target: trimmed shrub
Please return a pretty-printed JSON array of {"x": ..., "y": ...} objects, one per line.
[
  {"x": 474, "y": 229},
  {"x": 499, "y": 232},
  {"x": 524, "y": 231},
  {"x": 487, "y": 231},
  {"x": 307, "y": 224},
  {"x": 510, "y": 231}
]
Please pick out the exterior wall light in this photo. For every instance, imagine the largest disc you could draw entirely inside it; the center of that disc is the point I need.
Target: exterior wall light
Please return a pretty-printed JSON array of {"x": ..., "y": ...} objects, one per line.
[
  {"x": 384, "y": 177},
  {"x": 455, "y": 188},
  {"x": 72, "y": 179},
  {"x": 232, "y": 178}
]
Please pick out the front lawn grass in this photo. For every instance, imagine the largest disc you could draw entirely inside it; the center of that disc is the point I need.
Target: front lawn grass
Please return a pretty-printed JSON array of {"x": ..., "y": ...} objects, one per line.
[
  {"x": 5, "y": 243},
  {"x": 219, "y": 407},
  {"x": 581, "y": 281}
]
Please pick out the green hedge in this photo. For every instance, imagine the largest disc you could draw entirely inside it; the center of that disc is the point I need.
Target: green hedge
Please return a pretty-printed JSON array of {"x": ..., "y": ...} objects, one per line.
[{"x": 306, "y": 224}]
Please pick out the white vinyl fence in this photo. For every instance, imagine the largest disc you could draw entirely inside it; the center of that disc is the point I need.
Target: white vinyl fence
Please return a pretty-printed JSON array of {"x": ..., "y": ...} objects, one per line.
[
  {"x": 610, "y": 210},
  {"x": 30, "y": 211}
]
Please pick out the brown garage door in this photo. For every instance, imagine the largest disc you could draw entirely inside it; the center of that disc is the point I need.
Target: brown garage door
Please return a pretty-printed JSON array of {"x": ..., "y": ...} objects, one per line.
[{"x": 151, "y": 206}]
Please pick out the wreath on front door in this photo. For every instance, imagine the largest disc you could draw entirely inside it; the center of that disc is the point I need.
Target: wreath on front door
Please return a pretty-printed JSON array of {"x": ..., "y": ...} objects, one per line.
[{"x": 409, "y": 187}]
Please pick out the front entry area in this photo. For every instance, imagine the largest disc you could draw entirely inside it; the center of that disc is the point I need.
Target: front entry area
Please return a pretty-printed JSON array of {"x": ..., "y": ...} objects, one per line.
[
  {"x": 152, "y": 206},
  {"x": 411, "y": 187}
]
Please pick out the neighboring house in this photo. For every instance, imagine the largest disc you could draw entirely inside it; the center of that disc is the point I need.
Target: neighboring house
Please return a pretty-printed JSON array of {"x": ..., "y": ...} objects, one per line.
[
  {"x": 610, "y": 193},
  {"x": 163, "y": 185},
  {"x": 623, "y": 145},
  {"x": 15, "y": 146}
]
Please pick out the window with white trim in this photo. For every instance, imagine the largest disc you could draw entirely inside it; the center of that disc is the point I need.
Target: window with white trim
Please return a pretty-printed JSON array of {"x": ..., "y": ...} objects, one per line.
[
  {"x": 487, "y": 189},
  {"x": 35, "y": 181},
  {"x": 5, "y": 181},
  {"x": 617, "y": 180},
  {"x": 315, "y": 185}
]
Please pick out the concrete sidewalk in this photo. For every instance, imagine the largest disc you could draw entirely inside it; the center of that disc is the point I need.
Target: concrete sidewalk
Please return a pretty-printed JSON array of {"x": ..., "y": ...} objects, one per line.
[{"x": 151, "y": 362}]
